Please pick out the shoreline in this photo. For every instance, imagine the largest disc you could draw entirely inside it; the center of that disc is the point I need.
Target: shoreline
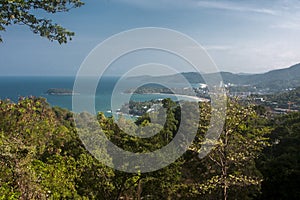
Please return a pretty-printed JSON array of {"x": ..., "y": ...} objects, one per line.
[{"x": 176, "y": 95}]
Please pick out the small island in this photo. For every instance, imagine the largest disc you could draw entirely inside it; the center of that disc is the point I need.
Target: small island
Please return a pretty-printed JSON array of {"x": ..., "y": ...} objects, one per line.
[{"x": 60, "y": 92}]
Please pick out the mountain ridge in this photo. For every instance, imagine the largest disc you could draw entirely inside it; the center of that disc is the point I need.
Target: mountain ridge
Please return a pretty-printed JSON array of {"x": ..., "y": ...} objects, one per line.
[{"x": 278, "y": 79}]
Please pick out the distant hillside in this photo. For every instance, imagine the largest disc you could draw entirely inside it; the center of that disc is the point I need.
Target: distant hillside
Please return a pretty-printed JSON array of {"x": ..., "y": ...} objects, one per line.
[
  {"x": 281, "y": 78},
  {"x": 282, "y": 99},
  {"x": 275, "y": 80}
]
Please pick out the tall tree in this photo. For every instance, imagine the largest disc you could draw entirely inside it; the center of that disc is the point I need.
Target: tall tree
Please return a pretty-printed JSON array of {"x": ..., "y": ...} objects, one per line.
[
  {"x": 229, "y": 170},
  {"x": 25, "y": 12}
]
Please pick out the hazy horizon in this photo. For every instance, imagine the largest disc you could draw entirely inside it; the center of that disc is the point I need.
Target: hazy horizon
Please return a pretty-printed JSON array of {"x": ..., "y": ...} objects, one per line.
[{"x": 116, "y": 75}]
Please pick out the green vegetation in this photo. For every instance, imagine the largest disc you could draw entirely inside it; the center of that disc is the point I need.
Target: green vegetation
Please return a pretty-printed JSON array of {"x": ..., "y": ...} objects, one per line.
[
  {"x": 25, "y": 12},
  {"x": 287, "y": 100},
  {"x": 161, "y": 90},
  {"x": 42, "y": 157},
  {"x": 140, "y": 108},
  {"x": 59, "y": 91},
  {"x": 280, "y": 162},
  {"x": 150, "y": 90}
]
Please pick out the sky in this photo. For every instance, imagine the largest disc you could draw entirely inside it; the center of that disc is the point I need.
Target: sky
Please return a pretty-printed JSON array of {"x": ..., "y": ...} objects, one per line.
[{"x": 240, "y": 36}]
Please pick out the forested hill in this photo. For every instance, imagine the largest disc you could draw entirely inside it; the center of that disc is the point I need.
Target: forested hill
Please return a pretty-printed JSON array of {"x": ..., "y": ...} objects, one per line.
[
  {"x": 289, "y": 99},
  {"x": 276, "y": 79},
  {"x": 42, "y": 156}
]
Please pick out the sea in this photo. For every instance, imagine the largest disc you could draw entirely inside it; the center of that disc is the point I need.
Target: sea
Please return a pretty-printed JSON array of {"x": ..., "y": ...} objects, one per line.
[{"x": 14, "y": 87}]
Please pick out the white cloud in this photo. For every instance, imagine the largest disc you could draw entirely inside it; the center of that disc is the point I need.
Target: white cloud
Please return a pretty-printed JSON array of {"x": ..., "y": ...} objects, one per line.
[
  {"x": 224, "y": 5},
  {"x": 234, "y": 7},
  {"x": 257, "y": 56},
  {"x": 217, "y": 47},
  {"x": 288, "y": 15},
  {"x": 287, "y": 25},
  {"x": 270, "y": 41}
]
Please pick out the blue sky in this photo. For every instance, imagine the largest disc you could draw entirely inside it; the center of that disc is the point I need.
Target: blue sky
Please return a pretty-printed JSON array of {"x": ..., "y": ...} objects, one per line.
[{"x": 240, "y": 36}]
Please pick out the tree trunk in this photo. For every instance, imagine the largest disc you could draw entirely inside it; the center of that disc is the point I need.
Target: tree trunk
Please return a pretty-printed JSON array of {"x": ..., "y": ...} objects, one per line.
[
  {"x": 225, "y": 192},
  {"x": 139, "y": 190}
]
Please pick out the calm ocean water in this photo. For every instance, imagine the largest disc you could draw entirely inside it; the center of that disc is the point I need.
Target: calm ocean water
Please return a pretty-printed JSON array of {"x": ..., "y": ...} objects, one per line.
[{"x": 15, "y": 87}]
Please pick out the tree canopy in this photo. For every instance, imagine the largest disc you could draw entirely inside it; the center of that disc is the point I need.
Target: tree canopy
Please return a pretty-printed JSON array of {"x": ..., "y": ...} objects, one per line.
[
  {"x": 42, "y": 156},
  {"x": 25, "y": 12}
]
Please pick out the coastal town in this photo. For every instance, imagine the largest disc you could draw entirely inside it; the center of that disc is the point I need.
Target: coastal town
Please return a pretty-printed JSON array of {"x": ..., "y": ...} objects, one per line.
[{"x": 279, "y": 103}]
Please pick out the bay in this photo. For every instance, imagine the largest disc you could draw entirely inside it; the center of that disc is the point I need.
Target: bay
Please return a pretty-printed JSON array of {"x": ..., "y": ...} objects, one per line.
[{"x": 23, "y": 86}]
